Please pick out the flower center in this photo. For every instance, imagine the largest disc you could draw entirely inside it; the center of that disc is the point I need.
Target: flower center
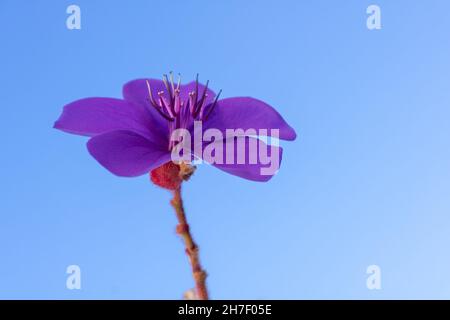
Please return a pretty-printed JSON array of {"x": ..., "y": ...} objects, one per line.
[{"x": 181, "y": 113}]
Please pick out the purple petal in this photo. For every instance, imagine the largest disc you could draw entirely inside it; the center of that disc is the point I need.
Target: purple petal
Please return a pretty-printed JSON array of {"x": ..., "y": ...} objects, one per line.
[
  {"x": 136, "y": 91},
  {"x": 92, "y": 116},
  {"x": 247, "y": 113},
  {"x": 261, "y": 169},
  {"x": 126, "y": 153}
]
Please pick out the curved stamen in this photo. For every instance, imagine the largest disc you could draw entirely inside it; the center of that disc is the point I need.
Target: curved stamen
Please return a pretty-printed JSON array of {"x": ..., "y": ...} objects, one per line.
[
  {"x": 150, "y": 94},
  {"x": 213, "y": 105},
  {"x": 163, "y": 104},
  {"x": 196, "y": 92},
  {"x": 177, "y": 103},
  {"x": 155, "y": 105},
  {"x": 185, "y": 113},
  {"x": 202, "y": 100},
  {"x": 202, "y": 109},
  {"x": 179, "y": 82},
  {"x": 191, "y": 102},
  {"x": 169, "y": 90},
  {"x": 171, "y": 81},
  {"x": 165, "y": 116}
]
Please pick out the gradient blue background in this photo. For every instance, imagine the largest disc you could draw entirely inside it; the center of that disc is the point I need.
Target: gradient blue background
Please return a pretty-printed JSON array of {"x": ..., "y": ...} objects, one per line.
[{"x": 367, "y": 181}]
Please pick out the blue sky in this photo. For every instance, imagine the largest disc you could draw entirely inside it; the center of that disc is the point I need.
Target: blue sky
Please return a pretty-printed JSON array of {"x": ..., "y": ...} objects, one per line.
[{"x": 366, "y": 182}]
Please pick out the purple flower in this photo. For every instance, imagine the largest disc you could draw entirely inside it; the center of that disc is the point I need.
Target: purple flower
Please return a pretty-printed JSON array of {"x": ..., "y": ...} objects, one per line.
[{"x": 132, "y": 136}]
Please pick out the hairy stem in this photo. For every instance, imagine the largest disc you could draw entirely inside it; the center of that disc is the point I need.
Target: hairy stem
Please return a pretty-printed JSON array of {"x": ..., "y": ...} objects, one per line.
[{"x": 191, "y": 247}]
